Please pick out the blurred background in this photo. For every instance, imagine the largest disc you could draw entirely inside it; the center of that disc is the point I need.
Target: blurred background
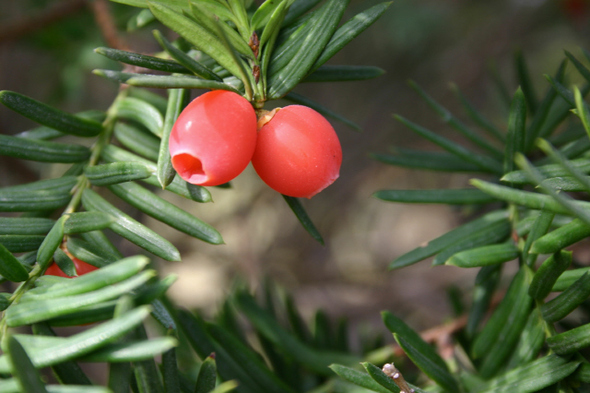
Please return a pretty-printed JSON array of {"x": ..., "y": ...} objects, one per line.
[{"x": 46, "y": 52}]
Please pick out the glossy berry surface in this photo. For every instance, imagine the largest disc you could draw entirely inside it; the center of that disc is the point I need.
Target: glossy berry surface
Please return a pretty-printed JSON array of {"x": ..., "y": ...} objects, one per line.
[
  {"x": 81, "y": 268},
  {"x": 214, "y": 138},
  {"x": 298, "y": 152}
]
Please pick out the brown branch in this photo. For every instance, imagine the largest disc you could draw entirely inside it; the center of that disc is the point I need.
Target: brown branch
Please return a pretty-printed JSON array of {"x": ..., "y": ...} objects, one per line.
[
  {"x": 106, "y": 24},
  {"x": 23, "y": 27}
]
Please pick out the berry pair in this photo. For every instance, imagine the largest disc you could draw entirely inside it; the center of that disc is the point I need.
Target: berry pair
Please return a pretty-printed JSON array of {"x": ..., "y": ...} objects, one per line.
[{"x": 294, "y": 150}]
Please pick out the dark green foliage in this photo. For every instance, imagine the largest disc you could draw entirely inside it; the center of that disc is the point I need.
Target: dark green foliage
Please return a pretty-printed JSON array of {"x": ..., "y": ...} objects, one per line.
[
  {"x": 513, "y": 338},
  {"x": 518, "y": 348}
]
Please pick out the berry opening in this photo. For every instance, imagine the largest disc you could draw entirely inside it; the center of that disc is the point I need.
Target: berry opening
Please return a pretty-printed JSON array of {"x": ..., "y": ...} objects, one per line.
[{"x": 189, "y": 168}]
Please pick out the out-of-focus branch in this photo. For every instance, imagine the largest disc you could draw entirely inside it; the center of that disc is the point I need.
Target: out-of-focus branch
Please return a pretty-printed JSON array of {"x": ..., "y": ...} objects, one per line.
[
  {"x": 20, "y": 28},
  {"x": 106, "y": 24},
  {"x": 61, "y": 10}
]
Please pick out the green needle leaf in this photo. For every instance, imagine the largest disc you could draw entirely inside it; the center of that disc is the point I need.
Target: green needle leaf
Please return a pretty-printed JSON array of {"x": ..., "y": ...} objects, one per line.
[
  {"x": 131, "y": 351},
  {"x": 303, "y": 218},
  {"x": 515, "y": 139},
  {"x": 297, "y": 9},
  {"x": 531, "y": 377},
  {"x": 492, "y": 234},
  {"x": 566, "y": 202},
  {"x": 418, "y": 159},
  {"x": 450, "y": 238},
  {"x": 485, "y": 285},
  {"x": 548, "y": 273},
  {"x": 97, "y": 279},
  {"x": 248, "y": 361},
  {"x": 166, "y": 212},
  {"x": 177, "y": 100},
  {"x": 83, "y": 343},
  {"x": 550, "y": 170},
  {"x": 559, "y": 159},
  {"x": 264, "y": 12},
  {"x": 531, "y": 200},
  {"x": 566, "y": 183},
  {"x": 37, "y": 196},
  {"x": 441, "y": 376},
  {"x": 530, "y": 343},
  {"x": 207, "y": 376},
  {"x": 484, "y": 256},
  {"x": 67, "y": 373},
  {"x": 170, "y": 372},
  {"x": 420, "y": 352},
  {"x": 570, "y": 341},
  {"x": 266, "y": 325},
  {"x": 464, "y": 196},
  {"x": 359, "y": 378},
  {"x": 540, "y": 227},
  {"x": 141, "y": 19},
  {"x": 582, "y": 110},
  {"x": 91, "y": 253},
  {"x": 80, "y": 222},
  {"x": 496, "y": 341},
  {"x": 52, "y": 241},
  {"x": 477, "y": 117},
  {"x": 274, "y": 17},
  {"x": 485, "y": 163},
  {"x": 191, "y": 64},
  {"x": 21, "y": 243},
  {"x": 458, "y": 125},
  {"x": 542, "y": 116},
  {"x": 164, "y": 81},
  {"x": 321, "y": 28},
  {"x": 64, "y": 262},
  {"x": 10, "y": 267},
  {"x": 42, "y": 151},
  {"x": 130, "y": 229},
  {"x": 141, "y": 112},
  {"x": 524, "y": 80},
  {"x": 559, "y": 307},
  {"x": 228, "y": 36},
  {"x": 25, "y": 372},
  {"x": 561, "y": 237},
  {"x": 379, "y": 376},
  {"x": 116, "y": 172},
  {"x": 49, "y": 116},
  {"x": 140, "y": 60},
  {"x": 200, "y": 37},
  {"x": 26, "y": 313},
  {"x": 25, "y": 225},
  {"x": 349, "y": 30},
  {"x": 137, "y": 140}
]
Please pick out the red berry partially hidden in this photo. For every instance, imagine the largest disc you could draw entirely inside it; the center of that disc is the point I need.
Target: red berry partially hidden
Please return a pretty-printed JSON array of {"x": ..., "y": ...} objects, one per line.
[
  {"x": 81, "y": 268},
  {"x": 298, "y": 152},
  {"x": 214, "y": 138}
]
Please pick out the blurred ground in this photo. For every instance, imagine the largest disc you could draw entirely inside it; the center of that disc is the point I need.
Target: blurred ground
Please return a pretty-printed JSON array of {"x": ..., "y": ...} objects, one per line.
[{"x": 432, "y": 42}]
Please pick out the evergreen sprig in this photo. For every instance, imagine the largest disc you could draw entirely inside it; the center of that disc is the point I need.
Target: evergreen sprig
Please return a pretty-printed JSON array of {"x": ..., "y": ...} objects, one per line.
[
  {"x": 118, "y": 159},
  {"x": 528, "y": 343}
]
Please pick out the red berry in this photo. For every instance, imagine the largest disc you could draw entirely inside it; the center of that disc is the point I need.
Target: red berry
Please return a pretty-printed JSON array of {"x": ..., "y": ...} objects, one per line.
[
  {"x": 214, "y": 138},
  {"x": 81, "y": 268},
  {"x": 298, "y": 152}
]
